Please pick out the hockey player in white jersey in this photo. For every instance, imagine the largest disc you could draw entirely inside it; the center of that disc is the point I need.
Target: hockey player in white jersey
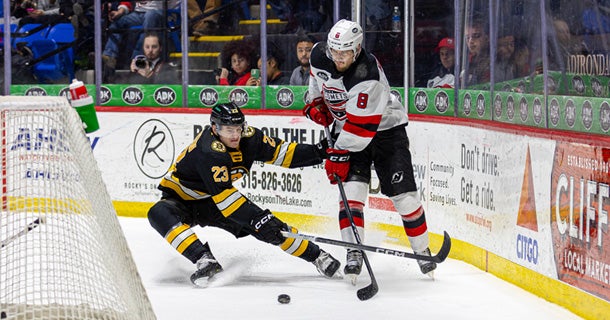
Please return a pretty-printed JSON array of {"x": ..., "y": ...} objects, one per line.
[{"x": 348, "y": 90}]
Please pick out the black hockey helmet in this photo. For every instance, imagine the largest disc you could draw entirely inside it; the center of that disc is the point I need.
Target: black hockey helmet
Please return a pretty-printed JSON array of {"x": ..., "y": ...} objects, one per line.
[{"x": 227, "y": 114}]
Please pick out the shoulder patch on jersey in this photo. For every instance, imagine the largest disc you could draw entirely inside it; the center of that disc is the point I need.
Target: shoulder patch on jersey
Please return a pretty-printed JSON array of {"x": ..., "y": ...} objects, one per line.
[
  {"x": 248, "y": 133},
  {"x": 218, "y": 146}
]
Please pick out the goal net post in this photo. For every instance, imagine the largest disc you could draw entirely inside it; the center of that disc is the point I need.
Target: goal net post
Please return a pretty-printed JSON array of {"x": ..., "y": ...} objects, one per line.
[{"x": 63, "y": 254}]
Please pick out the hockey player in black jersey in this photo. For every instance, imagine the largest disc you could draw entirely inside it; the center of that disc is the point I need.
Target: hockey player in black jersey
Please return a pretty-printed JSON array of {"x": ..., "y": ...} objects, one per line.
[
  {"x": 348, "y": 89},
  {"x": 198, "y": 190}
]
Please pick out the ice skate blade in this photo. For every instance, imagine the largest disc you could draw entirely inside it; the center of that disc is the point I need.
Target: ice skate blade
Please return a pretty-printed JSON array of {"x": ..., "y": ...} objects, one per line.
[
  {"x": 431, "y": 274},
  {"x": 352, "y": 277},
  {"x": 202, "y": 282}
]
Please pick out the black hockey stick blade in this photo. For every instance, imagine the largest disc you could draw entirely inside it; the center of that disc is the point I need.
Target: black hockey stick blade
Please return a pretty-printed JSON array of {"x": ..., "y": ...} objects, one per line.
[
  {"x": 27, "y": 229},
  {"x": 440, "y": 256},
  {"x": 368, "y": 291},
  {"x": 372, "y": 289}
]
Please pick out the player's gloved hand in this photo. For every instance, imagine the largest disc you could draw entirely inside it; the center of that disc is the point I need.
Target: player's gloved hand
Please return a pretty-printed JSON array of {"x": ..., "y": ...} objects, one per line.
[
  {"x": 337, "y": 163},
  {"x": 268, "y": 228},
  {"x": 318, "y": 112}
]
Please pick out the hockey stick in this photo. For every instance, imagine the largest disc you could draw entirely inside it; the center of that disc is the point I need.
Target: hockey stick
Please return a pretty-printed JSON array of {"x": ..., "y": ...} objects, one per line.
[
  {"x": 442, "y": 254},
  {"x": 370, "y": 290},
  {"x": 27, "y": 229}
]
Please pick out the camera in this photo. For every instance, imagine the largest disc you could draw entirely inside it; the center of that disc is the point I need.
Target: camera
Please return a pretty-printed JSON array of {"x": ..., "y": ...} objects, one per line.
[
  {"x": 217, "y": 72},
  {"x": 141, "y": 62}
]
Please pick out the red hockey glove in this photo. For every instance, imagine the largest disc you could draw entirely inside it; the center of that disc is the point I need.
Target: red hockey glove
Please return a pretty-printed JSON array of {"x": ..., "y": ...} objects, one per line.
[
  {"x": 318, "y": 112},
  {"x": 337, "y": 163}
]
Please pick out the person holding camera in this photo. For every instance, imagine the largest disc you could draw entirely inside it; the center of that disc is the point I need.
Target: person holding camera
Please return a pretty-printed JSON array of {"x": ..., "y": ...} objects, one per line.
[{"x": 150, "y": 67}]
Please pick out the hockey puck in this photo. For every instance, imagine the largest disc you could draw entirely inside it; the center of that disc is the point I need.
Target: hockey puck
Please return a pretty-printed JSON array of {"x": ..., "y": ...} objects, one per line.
[{"x": 283, "y": 298}]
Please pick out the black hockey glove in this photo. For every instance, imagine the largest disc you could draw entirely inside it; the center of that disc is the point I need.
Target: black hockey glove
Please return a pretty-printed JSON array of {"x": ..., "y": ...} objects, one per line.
[
  {"x": 321, "y": 148},
  {"x": 267, "y": 228}
]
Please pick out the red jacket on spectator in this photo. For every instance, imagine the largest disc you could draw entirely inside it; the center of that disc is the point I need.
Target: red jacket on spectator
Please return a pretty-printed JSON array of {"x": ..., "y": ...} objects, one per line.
[{"x": 240, "y": 81}]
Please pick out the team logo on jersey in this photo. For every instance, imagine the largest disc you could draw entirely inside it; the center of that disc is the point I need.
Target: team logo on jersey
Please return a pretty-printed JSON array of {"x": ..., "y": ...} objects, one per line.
[
  {"x": 239, "y": 96},
  {"x": 322, "y": 75},
  {"x": 285, "y": 97},
  {"x": 165, "y": 96},
  {"x": 35, "y": 91},
  {"x": 537, "y": 110},
  {"x": 523, "y": 109},
  {"x": 334, "y": 97},
  {"x": 105, "y": 95},
  {"x": 132, "y": 95},
  {"x": 153, "y": 148},
  {"x": 397, "y": 177},
  {"x": 554, "y": 112},
  {"x": 249, "y": 132},
  {"x": 570, "y": 113},
  {"x": 604, "y": 116},
  {"x": 587, "y": 114},
  {"x": 208, "y": 97},
  {"x": 218, "y": 146}
]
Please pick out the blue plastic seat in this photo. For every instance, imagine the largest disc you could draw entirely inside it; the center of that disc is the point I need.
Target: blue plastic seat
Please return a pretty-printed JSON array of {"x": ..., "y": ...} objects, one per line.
[
  {"x": 63, "y": 34},
  {"x": 12, "y": 29},
  {"x": 51, "y": 68},
  {"x": 28, "y": 39}
]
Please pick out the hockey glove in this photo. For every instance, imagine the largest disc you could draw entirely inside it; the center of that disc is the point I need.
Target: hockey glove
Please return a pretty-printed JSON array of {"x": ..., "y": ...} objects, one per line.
[
  {"x": 337, "y": 163},
  {"x": 268, "y": 228},
  {"x": 318, "y": 112}
]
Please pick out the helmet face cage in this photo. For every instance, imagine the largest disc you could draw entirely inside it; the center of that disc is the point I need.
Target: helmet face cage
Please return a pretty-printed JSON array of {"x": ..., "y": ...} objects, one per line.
[
  {"x": 344, "y": 35},
  {"x": 228, "y": 114}
]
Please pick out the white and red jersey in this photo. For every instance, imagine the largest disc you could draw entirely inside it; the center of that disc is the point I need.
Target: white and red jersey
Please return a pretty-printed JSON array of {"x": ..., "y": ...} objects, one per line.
[{"x": 359, "y": 98}]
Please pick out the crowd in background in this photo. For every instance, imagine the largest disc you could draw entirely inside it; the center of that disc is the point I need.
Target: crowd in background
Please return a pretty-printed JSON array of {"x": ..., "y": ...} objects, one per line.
[{"x": 515, "y": 51}]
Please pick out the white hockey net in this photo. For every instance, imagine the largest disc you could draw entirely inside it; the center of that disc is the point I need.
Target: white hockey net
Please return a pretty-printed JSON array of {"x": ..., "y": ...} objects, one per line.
[{"x": 63, "y": 253}]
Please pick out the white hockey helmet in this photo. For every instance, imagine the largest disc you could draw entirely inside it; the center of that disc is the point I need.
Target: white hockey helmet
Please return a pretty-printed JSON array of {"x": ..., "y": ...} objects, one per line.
[{"x": 345, "y": 35}]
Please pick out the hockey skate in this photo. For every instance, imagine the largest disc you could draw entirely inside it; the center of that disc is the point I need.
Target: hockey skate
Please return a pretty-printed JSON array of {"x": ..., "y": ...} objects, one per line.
[
  {"x": 326, "y": 264},
  {"x": 426, "y": 267},
  {"x": 353, "y": 265},
  {"x": 207, "y": 267}
]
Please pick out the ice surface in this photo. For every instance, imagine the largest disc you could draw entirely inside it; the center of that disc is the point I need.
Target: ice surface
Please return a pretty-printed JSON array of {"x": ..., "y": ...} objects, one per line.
[{"x": 256, "y": 273}]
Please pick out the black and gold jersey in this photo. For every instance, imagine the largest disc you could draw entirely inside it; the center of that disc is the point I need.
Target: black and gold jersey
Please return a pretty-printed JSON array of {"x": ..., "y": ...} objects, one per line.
[{"x": 207, "y": 168}]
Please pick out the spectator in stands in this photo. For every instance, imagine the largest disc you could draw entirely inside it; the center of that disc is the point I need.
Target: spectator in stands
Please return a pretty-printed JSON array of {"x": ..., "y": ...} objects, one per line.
[
  {"x": 478, "y": 64},
  {"x": 561, "y": 45},
  {"x": 150, "y": 67},
  {"x": 275, "y": 76},
  {"x": 218, "y": 22},
  {"x": 521, "y": 58},
  {"x": 148, "y": 14},
  {"x": 504, "y": 68},
  {"x": 238, "y": 56},
  {"x": 596, "y": 18},
  {"x": 442, "y": 75},
  {"x": 300, "y": 74},
  {"x": 43, "y": 12},
  {"x": 203, "y": 26}
]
